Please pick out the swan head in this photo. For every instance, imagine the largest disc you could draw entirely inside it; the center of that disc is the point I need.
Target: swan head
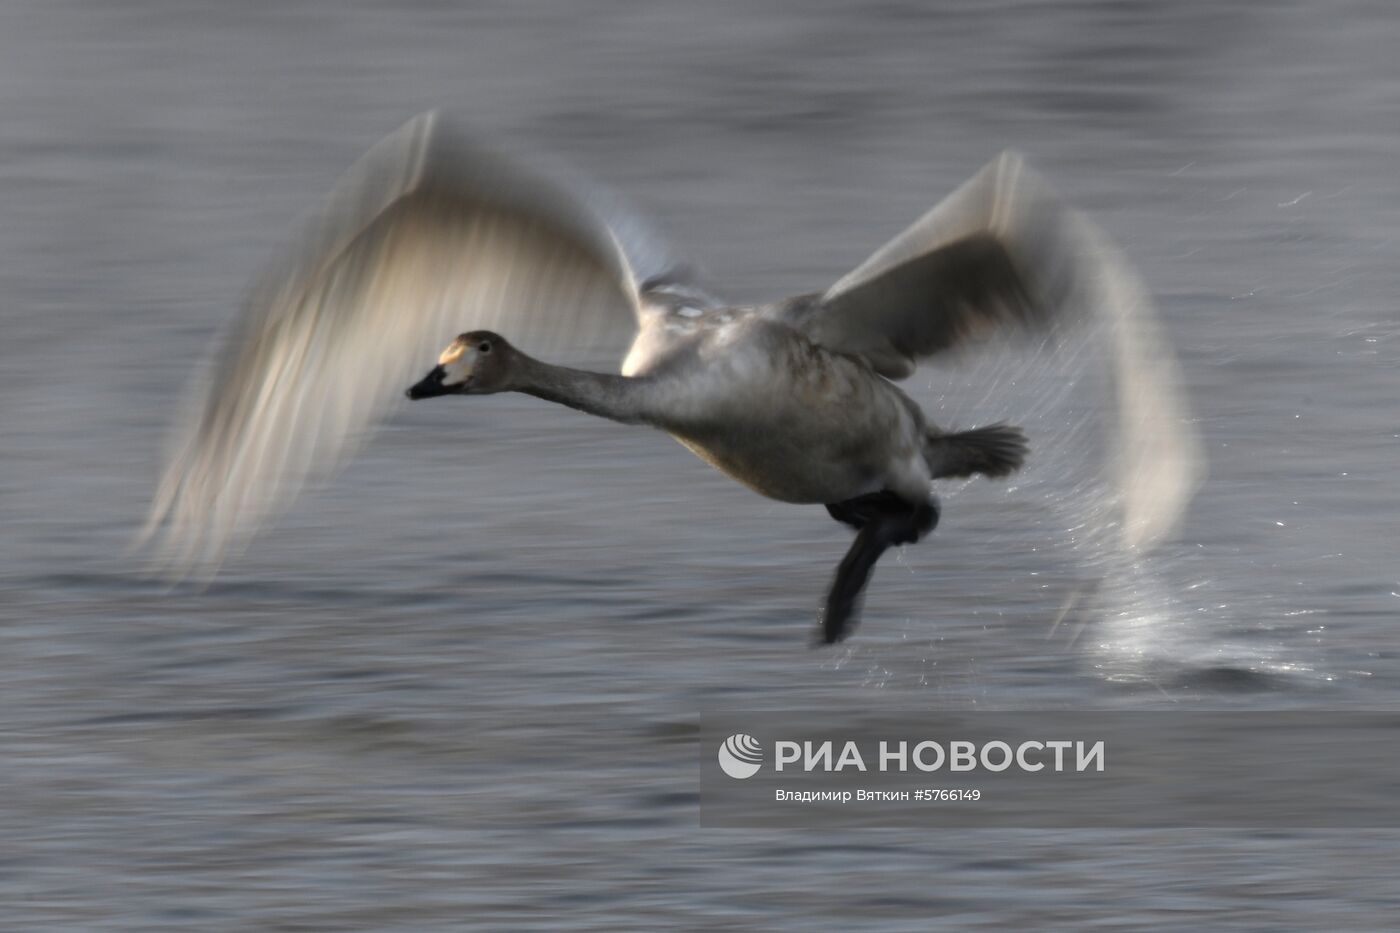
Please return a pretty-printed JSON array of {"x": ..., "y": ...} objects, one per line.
[{"x": 476, "y": 363}]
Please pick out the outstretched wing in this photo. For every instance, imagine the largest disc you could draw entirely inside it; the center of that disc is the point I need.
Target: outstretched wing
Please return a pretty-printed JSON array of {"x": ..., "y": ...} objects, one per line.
[
  {"x": 428, "y": 235},
  {"x": 1003, "y": 254}
]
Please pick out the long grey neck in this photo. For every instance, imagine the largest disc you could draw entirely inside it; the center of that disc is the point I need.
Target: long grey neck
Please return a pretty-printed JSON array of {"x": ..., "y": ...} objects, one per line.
[{"x": 619, "y": 398}]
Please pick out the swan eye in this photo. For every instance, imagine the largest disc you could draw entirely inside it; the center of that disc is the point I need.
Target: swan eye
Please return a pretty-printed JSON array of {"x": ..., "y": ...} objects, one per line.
[{"x": 484, "y": 346}]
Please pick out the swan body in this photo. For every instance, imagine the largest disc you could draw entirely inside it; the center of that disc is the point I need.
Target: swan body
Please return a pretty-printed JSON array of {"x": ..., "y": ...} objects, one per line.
[
  {"x": 830, "y": 428},
  {"x": 795, "y": 399}
]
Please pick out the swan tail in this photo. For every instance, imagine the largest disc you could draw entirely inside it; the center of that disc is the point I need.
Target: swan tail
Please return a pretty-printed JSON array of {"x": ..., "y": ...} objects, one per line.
[{"x": 994, "y": 451}]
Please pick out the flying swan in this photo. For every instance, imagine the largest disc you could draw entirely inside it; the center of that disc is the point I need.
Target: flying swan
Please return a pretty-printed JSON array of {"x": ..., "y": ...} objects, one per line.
[{"x": 432, "y": 233}]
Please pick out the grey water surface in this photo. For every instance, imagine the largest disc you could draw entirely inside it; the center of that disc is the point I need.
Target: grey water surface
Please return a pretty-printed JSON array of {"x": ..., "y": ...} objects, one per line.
[{"x": 459, "y": 686}]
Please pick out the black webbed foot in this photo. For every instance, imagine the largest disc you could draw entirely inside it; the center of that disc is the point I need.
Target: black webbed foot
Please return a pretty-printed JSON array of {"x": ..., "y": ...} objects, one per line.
[{"x": 883, "y": 520}]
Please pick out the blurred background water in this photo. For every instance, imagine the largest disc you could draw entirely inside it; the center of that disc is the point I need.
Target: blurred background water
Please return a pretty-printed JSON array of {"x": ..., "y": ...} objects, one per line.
[{"x": 460, "y": 685}]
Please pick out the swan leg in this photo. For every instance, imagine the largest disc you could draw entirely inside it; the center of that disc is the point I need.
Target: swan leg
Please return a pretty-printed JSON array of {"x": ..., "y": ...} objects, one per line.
[{"x": 882, "y": 520}]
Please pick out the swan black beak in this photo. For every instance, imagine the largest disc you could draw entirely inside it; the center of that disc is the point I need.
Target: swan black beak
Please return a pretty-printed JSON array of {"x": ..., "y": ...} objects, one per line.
[{"x": 430, "y": 386}]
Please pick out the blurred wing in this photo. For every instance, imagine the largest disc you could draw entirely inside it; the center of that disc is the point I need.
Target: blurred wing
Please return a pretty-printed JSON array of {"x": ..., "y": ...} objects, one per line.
[
  {"x": 1003, "y": 254},
  {"x": 427, "y": 236}
]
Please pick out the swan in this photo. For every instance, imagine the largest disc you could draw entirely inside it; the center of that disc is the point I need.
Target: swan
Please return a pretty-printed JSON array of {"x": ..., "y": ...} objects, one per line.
[{"x": 433, "y": 232}]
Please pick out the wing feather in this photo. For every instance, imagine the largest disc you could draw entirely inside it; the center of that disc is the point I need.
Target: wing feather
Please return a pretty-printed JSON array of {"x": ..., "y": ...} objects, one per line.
[
  {"x": 1002, "y": 255},
  {"x": 427, "y": 236}
]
